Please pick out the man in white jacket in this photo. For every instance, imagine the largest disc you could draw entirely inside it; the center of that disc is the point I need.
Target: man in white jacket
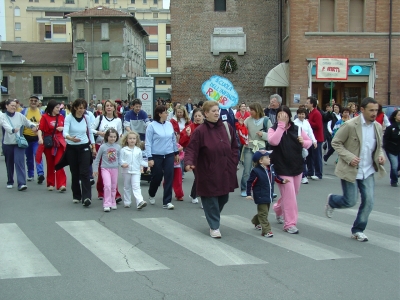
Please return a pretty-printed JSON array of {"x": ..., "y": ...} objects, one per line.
[{"x": 302, "y": 123}]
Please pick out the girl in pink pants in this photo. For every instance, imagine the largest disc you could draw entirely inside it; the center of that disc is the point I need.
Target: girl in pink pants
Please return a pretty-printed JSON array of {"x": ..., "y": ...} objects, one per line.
[{"x": 109, "y": 153}]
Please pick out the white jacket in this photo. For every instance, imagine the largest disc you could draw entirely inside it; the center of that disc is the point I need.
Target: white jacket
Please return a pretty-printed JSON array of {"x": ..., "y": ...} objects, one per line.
[
  {"x": 305, "y": 125},
  {"x": 132, "y": 157}
]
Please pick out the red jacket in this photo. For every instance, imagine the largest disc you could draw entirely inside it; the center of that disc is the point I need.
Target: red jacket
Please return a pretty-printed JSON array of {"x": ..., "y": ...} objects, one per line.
[
  {"x": 214, "y": 157},
  {"x": 175, "y": 125},
  {"x": 184, "y": 138},
  {"x": 315, "y": 120}
]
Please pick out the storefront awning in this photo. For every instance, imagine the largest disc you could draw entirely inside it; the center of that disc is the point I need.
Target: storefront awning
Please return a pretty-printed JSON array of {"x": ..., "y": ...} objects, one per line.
[{"x": 278, "y": 76}]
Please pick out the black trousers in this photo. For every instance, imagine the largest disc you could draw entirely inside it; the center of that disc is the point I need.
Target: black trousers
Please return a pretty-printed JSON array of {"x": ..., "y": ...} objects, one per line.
[
  {"x": 163, "y": 167},
  {"x": 79, "y": 159}
]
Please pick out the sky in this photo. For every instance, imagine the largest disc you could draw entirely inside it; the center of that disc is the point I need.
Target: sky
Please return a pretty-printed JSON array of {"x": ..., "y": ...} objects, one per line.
[{"x": 166, "y": 4}]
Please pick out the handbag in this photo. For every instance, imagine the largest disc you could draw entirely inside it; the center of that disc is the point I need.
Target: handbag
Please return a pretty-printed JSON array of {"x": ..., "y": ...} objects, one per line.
[
  {"x": 21, "y": 140},
  {"x": 48, "y": 139}
]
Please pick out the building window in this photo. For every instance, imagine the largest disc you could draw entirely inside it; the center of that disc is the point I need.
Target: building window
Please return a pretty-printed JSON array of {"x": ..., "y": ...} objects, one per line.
[
  {"x": 115, "y": 1},
  {"x": 47, "y": 31},
  {"x": 105, "y": 93},
  {"x": 69, "y": 1},
  {"x": 132, "y": 14},
  {"x": 105, "y": 61},
  {"x": 153, "y": 47},
  {"x": 132, "y": 1},
  {"x": 152, "y": 30},
  {"x": 81, "y": 93},
  {"x": 58, "y": 85},
  {"x": 17, "y": 12},
  {"x": 107, "y": 1},
  {"x": 30, "y": 0},
  {"x": 151, "y": 64},
  {"x": 327, "y": 15},
  {"x": 51, "y": 1},
  {"x": 4, "y": 85},
  {"x": 162, "y": 82},
  {"x": 104, "y": 31},
  {"x": 37, "y": 85},
  {"x": 144, "y": 1},
  {"x": 219, "y": 5},
  {"x": 18, "y": 39},
  {"x": 53, "y": 14},
  {"x": 356, "y": 16},
  {"x": 155, "y": 2},
  {"x": 81, "y": 61},
  {"x": 155, "y": 15},
  {"x": 96, "y": 1},
  {"x": 59, "y": 28},
  {"x": 17, "y": 26},
  {"x": 80, "y": 33}
]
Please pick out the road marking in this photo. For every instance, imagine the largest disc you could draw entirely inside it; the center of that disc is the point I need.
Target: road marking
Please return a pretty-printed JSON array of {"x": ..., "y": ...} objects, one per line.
[
  {"x": 202, "y": 244},
  {"x": 114, "y": 251},
  {"x": 19, "y": 257},
  {"x": 378, "y": 239},
  {"x": 375, "y": 215},
  {"x": 294, "y": 243}
]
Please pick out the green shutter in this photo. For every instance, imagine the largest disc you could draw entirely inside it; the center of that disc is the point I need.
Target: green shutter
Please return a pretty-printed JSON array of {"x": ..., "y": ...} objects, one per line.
[
  {"x": 81, "y": 61},
  {"x": 106, "y": 61}
]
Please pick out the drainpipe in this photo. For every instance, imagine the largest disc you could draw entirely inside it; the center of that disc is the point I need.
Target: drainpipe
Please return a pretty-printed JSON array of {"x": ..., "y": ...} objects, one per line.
[
  {"x": 93, "y": 87},
  {"x": 390, "y": 50}
]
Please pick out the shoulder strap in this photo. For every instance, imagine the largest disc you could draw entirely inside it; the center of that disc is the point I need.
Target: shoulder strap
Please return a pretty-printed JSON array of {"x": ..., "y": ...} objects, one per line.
[
  {"x": 98, "y": 126},
  {"x": 12, "y": 126},
  {"x": 227, "y": 131}
]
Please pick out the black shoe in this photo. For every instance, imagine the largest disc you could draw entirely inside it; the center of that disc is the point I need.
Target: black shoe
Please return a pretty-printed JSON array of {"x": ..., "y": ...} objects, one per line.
[
  {"x": 275, "y": 195},
  {"x": 396, "y": 184},
  {"x": 87, "y": 202},
  {"x": 40, "y": 179},
  {"x": 118, "y": 200},
  {"x": 92, "y": 182}
]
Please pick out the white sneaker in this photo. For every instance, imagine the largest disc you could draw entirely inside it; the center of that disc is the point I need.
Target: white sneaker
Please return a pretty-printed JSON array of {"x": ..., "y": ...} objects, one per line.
[
  {"x": 63, "y": 189},
  {"x": 29, "y": 178},
  {"x": 76, "y": 200},
  {"x": 359, "y": 236},
  {"x": 292, "y": 230},
  {"x": 314, "y": 177},
  {"x": 279, "y": 219},
  {"x": 114, "y": 207},
  {"x": 152, "y": 200},
  {"x": 50, "y": 188},
  {"x": 194, "y": 200},
  {"x": 107, "y": 209},
  {"x": 215, "y": 233},
  {"x": 9, "y": 186},
  {"x": 169, "y": 206},
  {"x": 328, "y": 208},
  {"x": 142, "y": 204},
  {"x": 304, "y": 180}
]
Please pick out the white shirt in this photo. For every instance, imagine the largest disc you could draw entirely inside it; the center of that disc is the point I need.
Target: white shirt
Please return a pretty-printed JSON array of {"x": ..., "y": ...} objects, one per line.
[
  {"x": 305, "y": 125},
  {"x": 368, "y": 146},
  {"x": 134, "y": 158}
]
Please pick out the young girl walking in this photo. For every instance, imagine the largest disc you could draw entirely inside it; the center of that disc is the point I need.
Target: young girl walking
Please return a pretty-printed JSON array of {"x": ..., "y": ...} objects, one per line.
[
  {"x": 131, "y": 161},
  {"x": 261, "y": 181},
  {"x": 109, "y": 153}
]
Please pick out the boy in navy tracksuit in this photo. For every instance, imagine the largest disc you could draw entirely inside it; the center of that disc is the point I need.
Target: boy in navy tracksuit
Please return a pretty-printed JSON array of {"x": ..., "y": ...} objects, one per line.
[{"x": 261, "y": 181}]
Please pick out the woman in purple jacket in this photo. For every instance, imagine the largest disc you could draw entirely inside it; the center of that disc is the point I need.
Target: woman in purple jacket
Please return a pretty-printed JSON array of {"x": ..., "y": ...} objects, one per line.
[{"x": 212, "y": 154}]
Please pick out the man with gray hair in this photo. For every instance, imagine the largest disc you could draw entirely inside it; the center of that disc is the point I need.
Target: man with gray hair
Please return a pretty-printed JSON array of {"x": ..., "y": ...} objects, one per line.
[{"x": 275, "y": 101}]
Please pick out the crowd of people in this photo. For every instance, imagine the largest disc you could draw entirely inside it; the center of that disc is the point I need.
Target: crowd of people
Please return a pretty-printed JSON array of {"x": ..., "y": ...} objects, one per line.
[{"x": 270, "y": 144}]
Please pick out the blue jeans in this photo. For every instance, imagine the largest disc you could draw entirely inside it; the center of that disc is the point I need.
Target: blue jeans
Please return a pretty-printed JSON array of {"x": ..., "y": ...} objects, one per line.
[
  {"x": 394, "y": 166},
  {"x": 349, "y": 199},
  {"x": 314, "y": 161},
  {"x": 30, "y": 154},
  {"x": 212, "y": 209}
]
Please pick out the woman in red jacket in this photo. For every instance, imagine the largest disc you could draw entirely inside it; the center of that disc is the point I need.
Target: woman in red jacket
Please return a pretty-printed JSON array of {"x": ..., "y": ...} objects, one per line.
[
  {"x": 212, "y": 154},
  {"x": 52, "y": 124},
  {"x": 186, "y": 134}
]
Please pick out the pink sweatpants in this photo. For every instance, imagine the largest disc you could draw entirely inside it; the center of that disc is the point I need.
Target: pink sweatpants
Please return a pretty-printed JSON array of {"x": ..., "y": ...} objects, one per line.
[
  {"x": 110, "y": 179},
  {"x": 286, "y": 206}
]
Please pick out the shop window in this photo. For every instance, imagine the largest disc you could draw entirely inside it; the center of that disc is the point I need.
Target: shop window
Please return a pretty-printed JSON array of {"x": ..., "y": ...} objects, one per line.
[
  {"x": 81, "y": 61},
  {"x": 356, "y": 16},
  {"x": 58, "y": 85},
  {"x": 327, "y": 15},
  {"x": 37, "y": 85},
  {"x": 104, "y": 31},
  {"x": 105, "y": 62},
  {"x": 219, "y": 5},
  {"x": 4, "y": 85}
]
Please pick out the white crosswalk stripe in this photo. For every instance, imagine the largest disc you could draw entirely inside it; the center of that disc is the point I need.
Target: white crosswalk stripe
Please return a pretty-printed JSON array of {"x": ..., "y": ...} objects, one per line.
[
  {"x": 212, "y": 250},
  {"x": 375, "y": 216},
  {"x": 19, "y": 257},
  {"x": 293, "y": 243},
  {"x": 114, "y": 251},
  {"x": 374, "y": 238}
]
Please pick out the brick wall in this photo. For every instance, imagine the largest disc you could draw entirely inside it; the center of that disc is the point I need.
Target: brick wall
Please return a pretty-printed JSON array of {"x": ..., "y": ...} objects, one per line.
[{"x": 192, "y": 63}]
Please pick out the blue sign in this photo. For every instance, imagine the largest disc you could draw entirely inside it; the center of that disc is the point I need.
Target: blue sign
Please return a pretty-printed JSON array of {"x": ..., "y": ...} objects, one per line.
[{"x": 220, "y": 89}]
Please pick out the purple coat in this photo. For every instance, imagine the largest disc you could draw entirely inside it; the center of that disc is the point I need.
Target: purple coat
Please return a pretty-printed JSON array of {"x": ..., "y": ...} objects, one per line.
[{"x": 215, "y": 159}]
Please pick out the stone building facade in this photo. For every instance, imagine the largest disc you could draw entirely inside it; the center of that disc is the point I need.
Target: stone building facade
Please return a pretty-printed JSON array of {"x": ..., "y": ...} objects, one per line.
[
  {"x": 357, "y": 30},
  {"x": 193, "y": 62}
]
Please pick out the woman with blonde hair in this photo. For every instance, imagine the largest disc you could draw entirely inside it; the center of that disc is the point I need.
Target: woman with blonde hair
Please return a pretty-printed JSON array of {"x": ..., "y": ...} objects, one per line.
[
  {"x": 108, "y": 119},
  {"x": 257, "y": 126}
]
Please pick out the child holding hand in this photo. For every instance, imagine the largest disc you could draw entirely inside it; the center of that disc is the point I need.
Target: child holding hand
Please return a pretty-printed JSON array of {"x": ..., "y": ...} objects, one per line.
[{"x": 261, "y": 181}]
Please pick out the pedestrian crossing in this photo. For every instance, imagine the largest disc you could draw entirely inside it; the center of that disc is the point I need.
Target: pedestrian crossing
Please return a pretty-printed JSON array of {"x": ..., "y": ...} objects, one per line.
[{"x": 20, "y": 258}]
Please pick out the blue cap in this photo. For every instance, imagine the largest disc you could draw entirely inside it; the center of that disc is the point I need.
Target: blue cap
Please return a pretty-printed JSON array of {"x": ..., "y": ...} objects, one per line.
[{"x": 259, "y": 154}]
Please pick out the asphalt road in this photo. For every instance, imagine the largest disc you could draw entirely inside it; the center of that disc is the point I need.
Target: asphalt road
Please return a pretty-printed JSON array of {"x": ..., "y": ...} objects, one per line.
[{"x": 51, "y": 248}]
